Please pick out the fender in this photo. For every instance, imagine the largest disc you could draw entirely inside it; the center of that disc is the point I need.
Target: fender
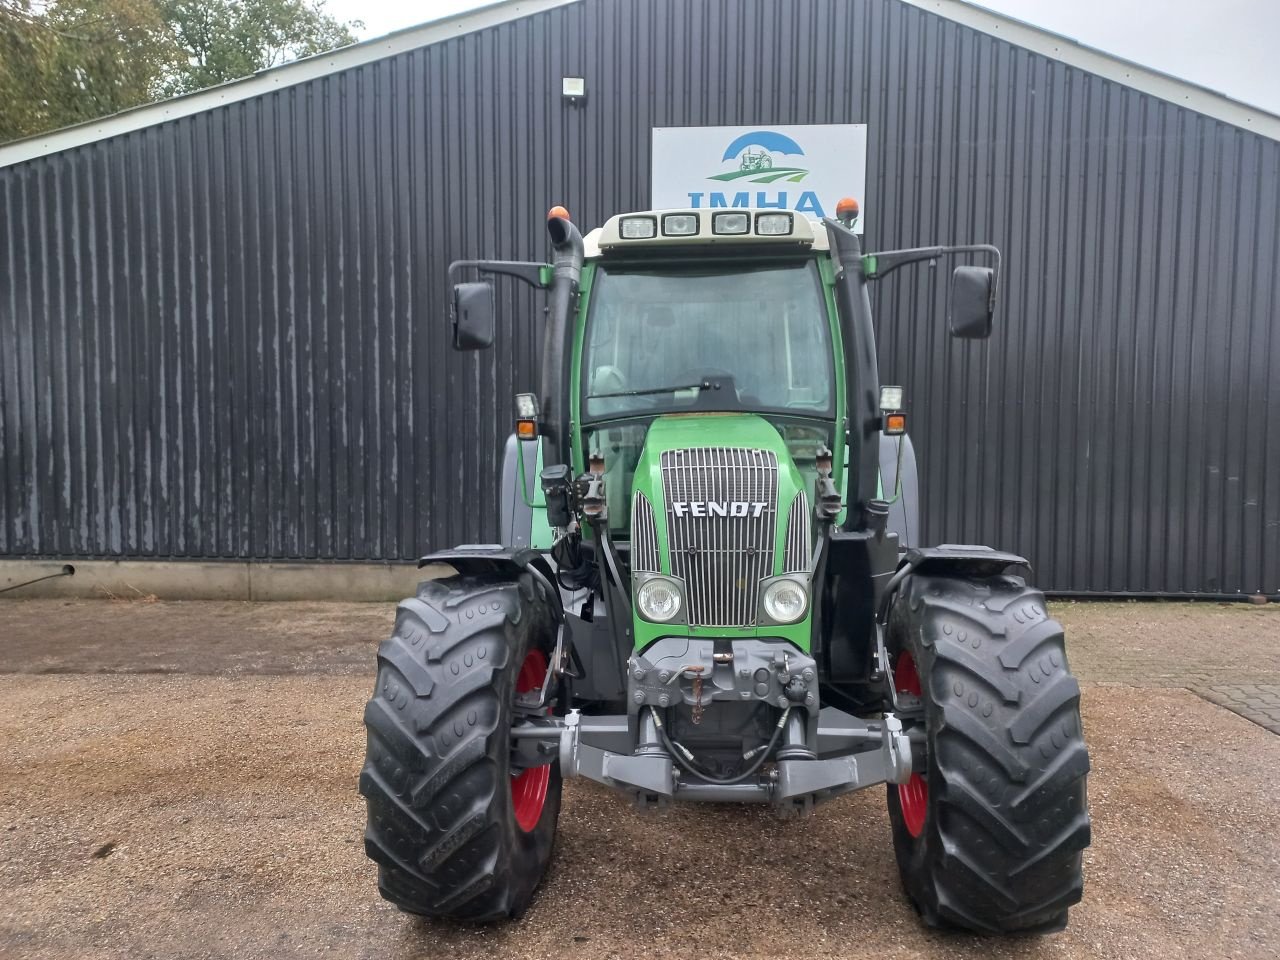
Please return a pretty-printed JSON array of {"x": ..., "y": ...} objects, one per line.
[
  {"x": 495, "y": 560},
  {"x": 947, "y": 558},
  {"x": 960, "y": 557}
]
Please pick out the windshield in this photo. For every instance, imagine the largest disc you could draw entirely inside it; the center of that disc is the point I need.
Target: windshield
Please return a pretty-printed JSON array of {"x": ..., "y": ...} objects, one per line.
[{"x": 733, "y": 337}]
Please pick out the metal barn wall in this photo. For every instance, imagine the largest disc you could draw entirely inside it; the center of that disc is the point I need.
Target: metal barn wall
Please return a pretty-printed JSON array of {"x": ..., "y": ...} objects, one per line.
[{"x": 224, "y": 336}]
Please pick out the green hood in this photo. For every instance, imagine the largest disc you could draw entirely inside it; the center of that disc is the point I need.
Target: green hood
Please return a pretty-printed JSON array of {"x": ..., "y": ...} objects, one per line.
[{"x": 696, "y": 433}]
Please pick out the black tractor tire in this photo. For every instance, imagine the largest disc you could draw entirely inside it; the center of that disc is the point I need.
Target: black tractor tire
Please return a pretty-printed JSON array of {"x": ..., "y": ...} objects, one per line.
[
  {"x": 437, "y": 778},
  {"x": 1004, "y": 812}
]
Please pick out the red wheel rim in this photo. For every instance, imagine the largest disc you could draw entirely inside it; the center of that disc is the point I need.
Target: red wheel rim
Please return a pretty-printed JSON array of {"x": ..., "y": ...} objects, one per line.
[
  {"x": 913, "y": 796},
  {"x": 906, "y": 679},
  {"x": 529, "y": 789}
]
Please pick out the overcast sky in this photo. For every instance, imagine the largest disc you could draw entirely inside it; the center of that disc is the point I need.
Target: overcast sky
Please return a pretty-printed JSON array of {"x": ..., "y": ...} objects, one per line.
[{"x": 1232, "y": 46}]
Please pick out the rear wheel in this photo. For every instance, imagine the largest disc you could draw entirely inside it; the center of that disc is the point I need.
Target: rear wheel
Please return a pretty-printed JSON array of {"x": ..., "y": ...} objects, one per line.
[
  {"x": 989, "y": 834},
  {"x": 455, "y": 830}
]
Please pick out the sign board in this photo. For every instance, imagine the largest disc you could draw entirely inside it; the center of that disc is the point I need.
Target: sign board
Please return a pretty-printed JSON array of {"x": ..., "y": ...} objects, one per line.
[{"x": 803, "y": 168}]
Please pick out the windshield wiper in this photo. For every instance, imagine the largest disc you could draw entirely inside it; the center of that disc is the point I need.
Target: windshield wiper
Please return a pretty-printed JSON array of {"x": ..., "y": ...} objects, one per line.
[{"x": 703, "y": 385}]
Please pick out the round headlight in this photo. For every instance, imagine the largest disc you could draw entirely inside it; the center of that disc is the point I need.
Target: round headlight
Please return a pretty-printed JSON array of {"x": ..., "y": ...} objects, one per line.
[
  {"x": 659, "y": 600},
  {"x": 785, "y": 601}
]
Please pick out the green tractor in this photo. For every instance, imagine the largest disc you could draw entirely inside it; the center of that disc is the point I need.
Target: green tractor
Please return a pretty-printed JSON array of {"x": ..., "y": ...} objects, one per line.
[
  {"x": 711, "y": 588},
  {"x": 756, "y": 161}
]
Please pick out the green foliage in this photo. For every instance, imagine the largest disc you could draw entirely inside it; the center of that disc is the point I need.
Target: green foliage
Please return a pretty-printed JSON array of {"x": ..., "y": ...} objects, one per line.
[
  {"x": 225, "y": 40},
  {"x": 66, "y": 61}
]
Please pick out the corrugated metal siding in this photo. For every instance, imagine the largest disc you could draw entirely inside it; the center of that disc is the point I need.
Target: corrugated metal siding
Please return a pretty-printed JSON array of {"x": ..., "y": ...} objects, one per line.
[{"x": 225, "y": 336}]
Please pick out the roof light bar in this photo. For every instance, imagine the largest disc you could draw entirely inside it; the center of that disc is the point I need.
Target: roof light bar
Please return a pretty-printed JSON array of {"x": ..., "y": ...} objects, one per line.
[{"x": 742, "y": 225}]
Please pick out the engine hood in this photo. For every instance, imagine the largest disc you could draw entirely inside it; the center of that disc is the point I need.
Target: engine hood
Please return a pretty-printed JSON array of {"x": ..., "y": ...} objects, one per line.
[{"x": 719, "y": 504}]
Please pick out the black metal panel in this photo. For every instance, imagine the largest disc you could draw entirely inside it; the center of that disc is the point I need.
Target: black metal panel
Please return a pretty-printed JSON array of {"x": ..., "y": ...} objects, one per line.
[{"x": 224, "y": 336}]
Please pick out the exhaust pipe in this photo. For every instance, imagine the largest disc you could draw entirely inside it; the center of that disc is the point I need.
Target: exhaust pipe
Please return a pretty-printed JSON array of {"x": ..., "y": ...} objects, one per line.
[{"x": 557, "y": 343}]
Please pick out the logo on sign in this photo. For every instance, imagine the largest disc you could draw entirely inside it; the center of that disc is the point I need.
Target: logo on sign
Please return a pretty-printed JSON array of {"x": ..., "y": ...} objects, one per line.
[
  {"x": 764, "y": 157},
  {"x": 758, "y": 165}
]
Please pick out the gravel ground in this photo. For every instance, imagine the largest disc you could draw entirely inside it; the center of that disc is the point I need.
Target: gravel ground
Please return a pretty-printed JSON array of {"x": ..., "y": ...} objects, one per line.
[{"x": 216, "y": 816}]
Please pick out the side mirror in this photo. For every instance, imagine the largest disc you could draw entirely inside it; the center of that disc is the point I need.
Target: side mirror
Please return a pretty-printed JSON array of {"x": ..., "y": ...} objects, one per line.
[
  {"x": 972, "y": 302},
  {"x": 472, "y": 316}
]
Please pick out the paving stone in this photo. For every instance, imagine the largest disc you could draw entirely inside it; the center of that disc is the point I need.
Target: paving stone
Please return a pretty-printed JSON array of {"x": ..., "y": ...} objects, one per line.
[{"x": 1257, "y": 703}]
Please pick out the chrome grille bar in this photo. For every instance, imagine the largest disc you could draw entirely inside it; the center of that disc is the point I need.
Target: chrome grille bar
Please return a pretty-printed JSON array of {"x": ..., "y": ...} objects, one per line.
[
  {"x": 799, "y": 536},
  {"x": 644, "y": 536},
  {"x": 721, "y": 556}
]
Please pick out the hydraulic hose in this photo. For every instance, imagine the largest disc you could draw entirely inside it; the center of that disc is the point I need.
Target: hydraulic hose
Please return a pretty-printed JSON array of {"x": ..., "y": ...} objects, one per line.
[
  {"x": 67, "y": 571},
  {"x": 611, "y": 561},
  {"x": 678, "y": 752}
]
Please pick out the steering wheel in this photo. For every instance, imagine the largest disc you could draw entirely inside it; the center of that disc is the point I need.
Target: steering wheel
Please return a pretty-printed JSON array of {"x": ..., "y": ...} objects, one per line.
[
  {"x": 607, "y": 379},
  {"x": 701, "y": 373}
]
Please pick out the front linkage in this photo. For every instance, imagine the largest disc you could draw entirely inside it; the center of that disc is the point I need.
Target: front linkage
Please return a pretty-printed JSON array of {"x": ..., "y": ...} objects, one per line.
[{"x": 807, "y": 754}]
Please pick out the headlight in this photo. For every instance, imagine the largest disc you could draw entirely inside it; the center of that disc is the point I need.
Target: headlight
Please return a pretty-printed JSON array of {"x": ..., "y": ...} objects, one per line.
[
  {"x": 659, "y": 600},
  {"x": 785, "y": 601}
]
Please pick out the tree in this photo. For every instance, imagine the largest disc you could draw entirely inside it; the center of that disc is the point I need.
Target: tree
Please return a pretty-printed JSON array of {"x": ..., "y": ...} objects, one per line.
[
  {"x": 25, "y": 55},
  {"x": 66, "y": 61},
  {"x": 225, "y": 40}
]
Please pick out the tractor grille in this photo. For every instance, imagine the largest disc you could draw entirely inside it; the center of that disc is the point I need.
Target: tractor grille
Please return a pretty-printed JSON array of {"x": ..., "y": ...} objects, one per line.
[
  {"x": 799, "y": 538},
  {"x": 644, "y": 536},
  {"x": 721, "y": 557}
]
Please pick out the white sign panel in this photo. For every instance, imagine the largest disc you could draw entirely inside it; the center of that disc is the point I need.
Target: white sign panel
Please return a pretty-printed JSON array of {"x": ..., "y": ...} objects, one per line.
[{"x": 802, "y": 168}]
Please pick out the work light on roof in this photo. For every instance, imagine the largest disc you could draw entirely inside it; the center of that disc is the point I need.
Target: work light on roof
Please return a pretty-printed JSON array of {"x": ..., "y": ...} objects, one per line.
[
  {"x": 731, "y": 223},
  {"x": 638, "y": 228},
  {"x": 680, "y": 225},
  {"x": 773, "y": 224}
]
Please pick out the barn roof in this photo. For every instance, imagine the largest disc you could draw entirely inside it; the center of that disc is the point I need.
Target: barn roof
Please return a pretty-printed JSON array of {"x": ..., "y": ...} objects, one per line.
[{"x": 1051, "y": 45}]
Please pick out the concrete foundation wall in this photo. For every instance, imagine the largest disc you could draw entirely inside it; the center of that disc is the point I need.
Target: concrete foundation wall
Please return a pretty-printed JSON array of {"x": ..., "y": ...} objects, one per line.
[{"x": 215, "y": 580}]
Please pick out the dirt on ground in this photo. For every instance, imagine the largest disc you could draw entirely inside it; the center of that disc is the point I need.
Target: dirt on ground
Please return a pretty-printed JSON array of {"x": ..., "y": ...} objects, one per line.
[
  {"x": 1153, "y": 644},
  {"x": 181, "y": 782},
  {"x": 226, "y": 638}
]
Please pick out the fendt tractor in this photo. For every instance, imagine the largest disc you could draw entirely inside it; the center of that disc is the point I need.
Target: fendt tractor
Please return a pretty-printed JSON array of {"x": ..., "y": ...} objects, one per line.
[{"x": 710, "y": 587}]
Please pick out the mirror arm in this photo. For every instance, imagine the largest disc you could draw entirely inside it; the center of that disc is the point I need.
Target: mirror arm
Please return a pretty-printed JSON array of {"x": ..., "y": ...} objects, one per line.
[
  {"x": 534, "y": 274},
  {"x": 877, "y": 266}
]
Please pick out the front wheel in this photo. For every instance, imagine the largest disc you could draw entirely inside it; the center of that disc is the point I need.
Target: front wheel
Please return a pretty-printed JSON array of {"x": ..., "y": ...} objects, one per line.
[
  {"x": 989, "y": 834},
  {"x": 455, "y": 830}
]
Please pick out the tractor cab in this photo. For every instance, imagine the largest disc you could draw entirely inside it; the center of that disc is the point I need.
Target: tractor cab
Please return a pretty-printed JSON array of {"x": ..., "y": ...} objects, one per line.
[{"x": 724, "y": 318}]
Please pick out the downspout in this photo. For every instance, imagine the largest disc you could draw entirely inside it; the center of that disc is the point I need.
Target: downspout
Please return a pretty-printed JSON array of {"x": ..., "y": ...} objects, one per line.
[
  {"x": 862, "y": 374},
  {"x": 557, "y": 341}
]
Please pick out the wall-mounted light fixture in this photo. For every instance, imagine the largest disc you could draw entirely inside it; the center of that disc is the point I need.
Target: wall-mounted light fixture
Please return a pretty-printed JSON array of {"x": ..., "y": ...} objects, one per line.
[{"x": 574, "y": 90}]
